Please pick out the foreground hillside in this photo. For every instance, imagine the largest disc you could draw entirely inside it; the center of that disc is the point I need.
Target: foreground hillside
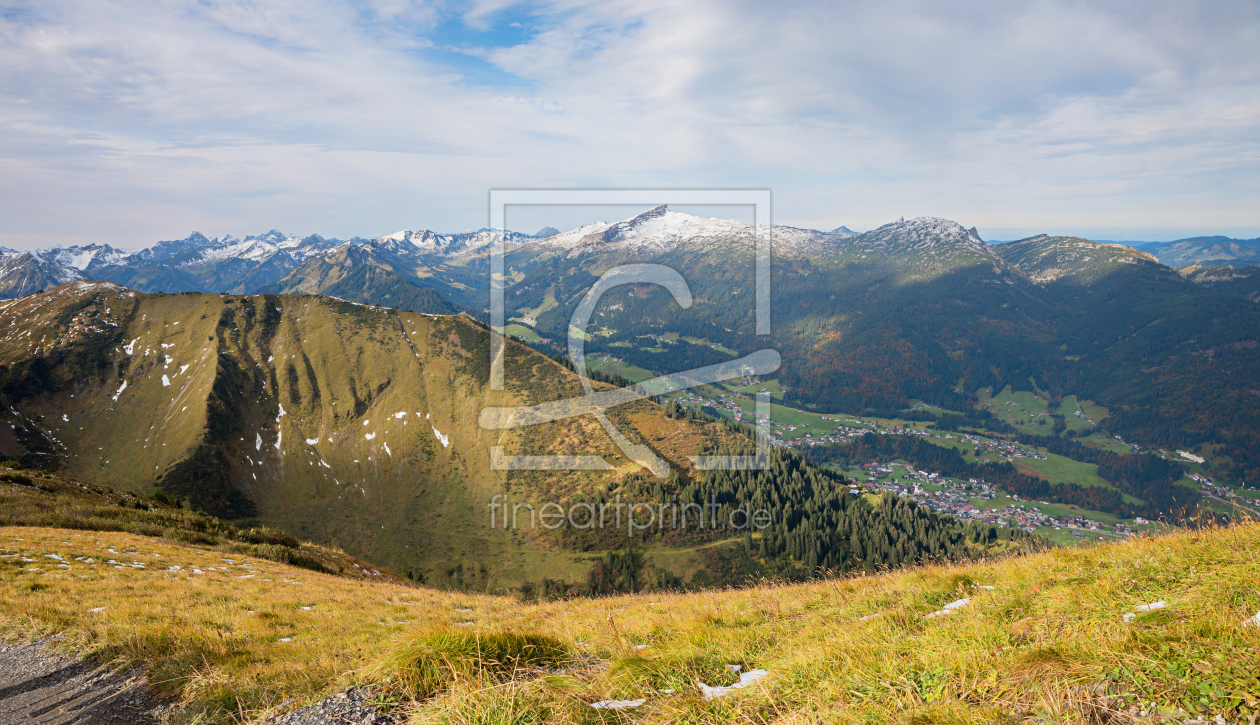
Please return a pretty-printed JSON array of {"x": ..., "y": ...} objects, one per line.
[{"x": 1043, "y": 638}]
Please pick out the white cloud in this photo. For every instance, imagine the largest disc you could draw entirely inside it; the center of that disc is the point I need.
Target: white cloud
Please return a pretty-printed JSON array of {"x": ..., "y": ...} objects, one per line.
[{"x": 132, "y": 122}]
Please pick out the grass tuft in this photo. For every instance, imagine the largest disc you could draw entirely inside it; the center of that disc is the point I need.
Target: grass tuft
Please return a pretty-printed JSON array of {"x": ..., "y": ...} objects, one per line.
[{"x": 441, "y": 654}]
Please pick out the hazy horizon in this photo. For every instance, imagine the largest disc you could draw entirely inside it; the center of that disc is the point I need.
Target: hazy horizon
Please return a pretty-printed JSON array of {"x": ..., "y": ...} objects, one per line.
[{"x": 535, "y": 220}]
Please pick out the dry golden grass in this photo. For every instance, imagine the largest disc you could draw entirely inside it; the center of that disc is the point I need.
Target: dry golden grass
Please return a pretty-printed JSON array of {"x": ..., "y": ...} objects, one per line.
[{"x": 1047, "y": 644}]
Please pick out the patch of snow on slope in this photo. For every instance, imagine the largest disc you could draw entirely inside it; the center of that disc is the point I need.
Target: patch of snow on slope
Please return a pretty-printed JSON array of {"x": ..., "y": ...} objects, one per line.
[
  {"x": 571, "y": 238},
  {"x": 446, "y": 441}
]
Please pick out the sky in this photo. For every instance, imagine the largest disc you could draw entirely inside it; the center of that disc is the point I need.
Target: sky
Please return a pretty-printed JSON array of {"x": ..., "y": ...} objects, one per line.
[{"x": 130, "y": 122}]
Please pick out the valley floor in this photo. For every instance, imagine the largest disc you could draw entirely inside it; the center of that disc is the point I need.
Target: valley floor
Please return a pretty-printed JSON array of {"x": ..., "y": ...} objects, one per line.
[{"x": 1043, "y": 636}]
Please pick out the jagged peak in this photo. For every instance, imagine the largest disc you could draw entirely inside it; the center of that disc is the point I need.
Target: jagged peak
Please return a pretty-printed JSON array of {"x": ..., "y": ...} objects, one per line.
[{"x": 924, "y": 234}]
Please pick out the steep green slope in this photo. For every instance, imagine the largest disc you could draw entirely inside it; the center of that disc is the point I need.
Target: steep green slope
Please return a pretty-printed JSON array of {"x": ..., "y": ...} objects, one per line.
[
  {"x": 316, "y": 415},
  {"x": 358, "y": 425}
]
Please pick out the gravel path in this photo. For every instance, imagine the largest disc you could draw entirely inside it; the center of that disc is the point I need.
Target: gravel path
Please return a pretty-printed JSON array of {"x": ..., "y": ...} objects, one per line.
[{"x": 37, "y": 686}]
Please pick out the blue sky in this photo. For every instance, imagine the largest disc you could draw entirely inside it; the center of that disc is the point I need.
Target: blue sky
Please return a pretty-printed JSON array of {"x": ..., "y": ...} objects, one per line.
[{"x": 129, "y": 122}]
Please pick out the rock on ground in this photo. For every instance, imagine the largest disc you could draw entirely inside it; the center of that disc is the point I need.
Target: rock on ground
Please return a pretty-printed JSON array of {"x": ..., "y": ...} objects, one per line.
[{"x": 352, "y": 707}]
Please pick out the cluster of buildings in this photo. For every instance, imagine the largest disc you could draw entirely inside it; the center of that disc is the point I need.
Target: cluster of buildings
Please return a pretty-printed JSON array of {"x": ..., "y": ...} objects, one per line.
[
  {"x": 1001, "y": 448},
  {"x": 957, "y": 498}
]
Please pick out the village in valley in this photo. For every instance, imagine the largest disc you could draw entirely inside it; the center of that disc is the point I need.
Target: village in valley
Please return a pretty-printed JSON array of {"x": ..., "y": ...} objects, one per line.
[{"x": 971, "y": 499}]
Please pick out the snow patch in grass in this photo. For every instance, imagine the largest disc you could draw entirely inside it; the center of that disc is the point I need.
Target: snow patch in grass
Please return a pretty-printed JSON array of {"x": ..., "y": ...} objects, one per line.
[
  {"x": 616, "y": 704},
  {"x": 446, "y": 441},
  {"x": 745, "y": 679},
  {"x": 949, "y": 608},
  {"x": 1130, "y": 616}
]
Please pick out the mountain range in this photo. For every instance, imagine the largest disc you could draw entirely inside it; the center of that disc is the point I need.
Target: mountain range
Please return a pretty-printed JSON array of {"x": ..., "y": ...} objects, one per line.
[
  {"x": 230, "y": 265},
  {"x": 919, "y": 309},
  {"x": 218, "y": 400},
  {"x": 452, "y": 264}
]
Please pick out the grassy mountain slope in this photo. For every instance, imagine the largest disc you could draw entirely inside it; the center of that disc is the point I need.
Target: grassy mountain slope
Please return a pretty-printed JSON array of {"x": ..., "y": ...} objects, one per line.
[
  {"x": 1048, "y": 641},
  {"x": 315, "y": 415},
  {"x": 358, "y": 425},
  {"x": 1049, "y": 259}
]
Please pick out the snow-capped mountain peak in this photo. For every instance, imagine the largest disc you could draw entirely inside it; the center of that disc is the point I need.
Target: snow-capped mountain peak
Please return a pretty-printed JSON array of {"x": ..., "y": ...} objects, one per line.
[
  {"x": 930, "y": 235},
  {"x": 452, "y": 245},
  {"x": 275, "y": 236},
  {"x": 83, "y": 258},
  {"x": 662, "y": 229}
]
